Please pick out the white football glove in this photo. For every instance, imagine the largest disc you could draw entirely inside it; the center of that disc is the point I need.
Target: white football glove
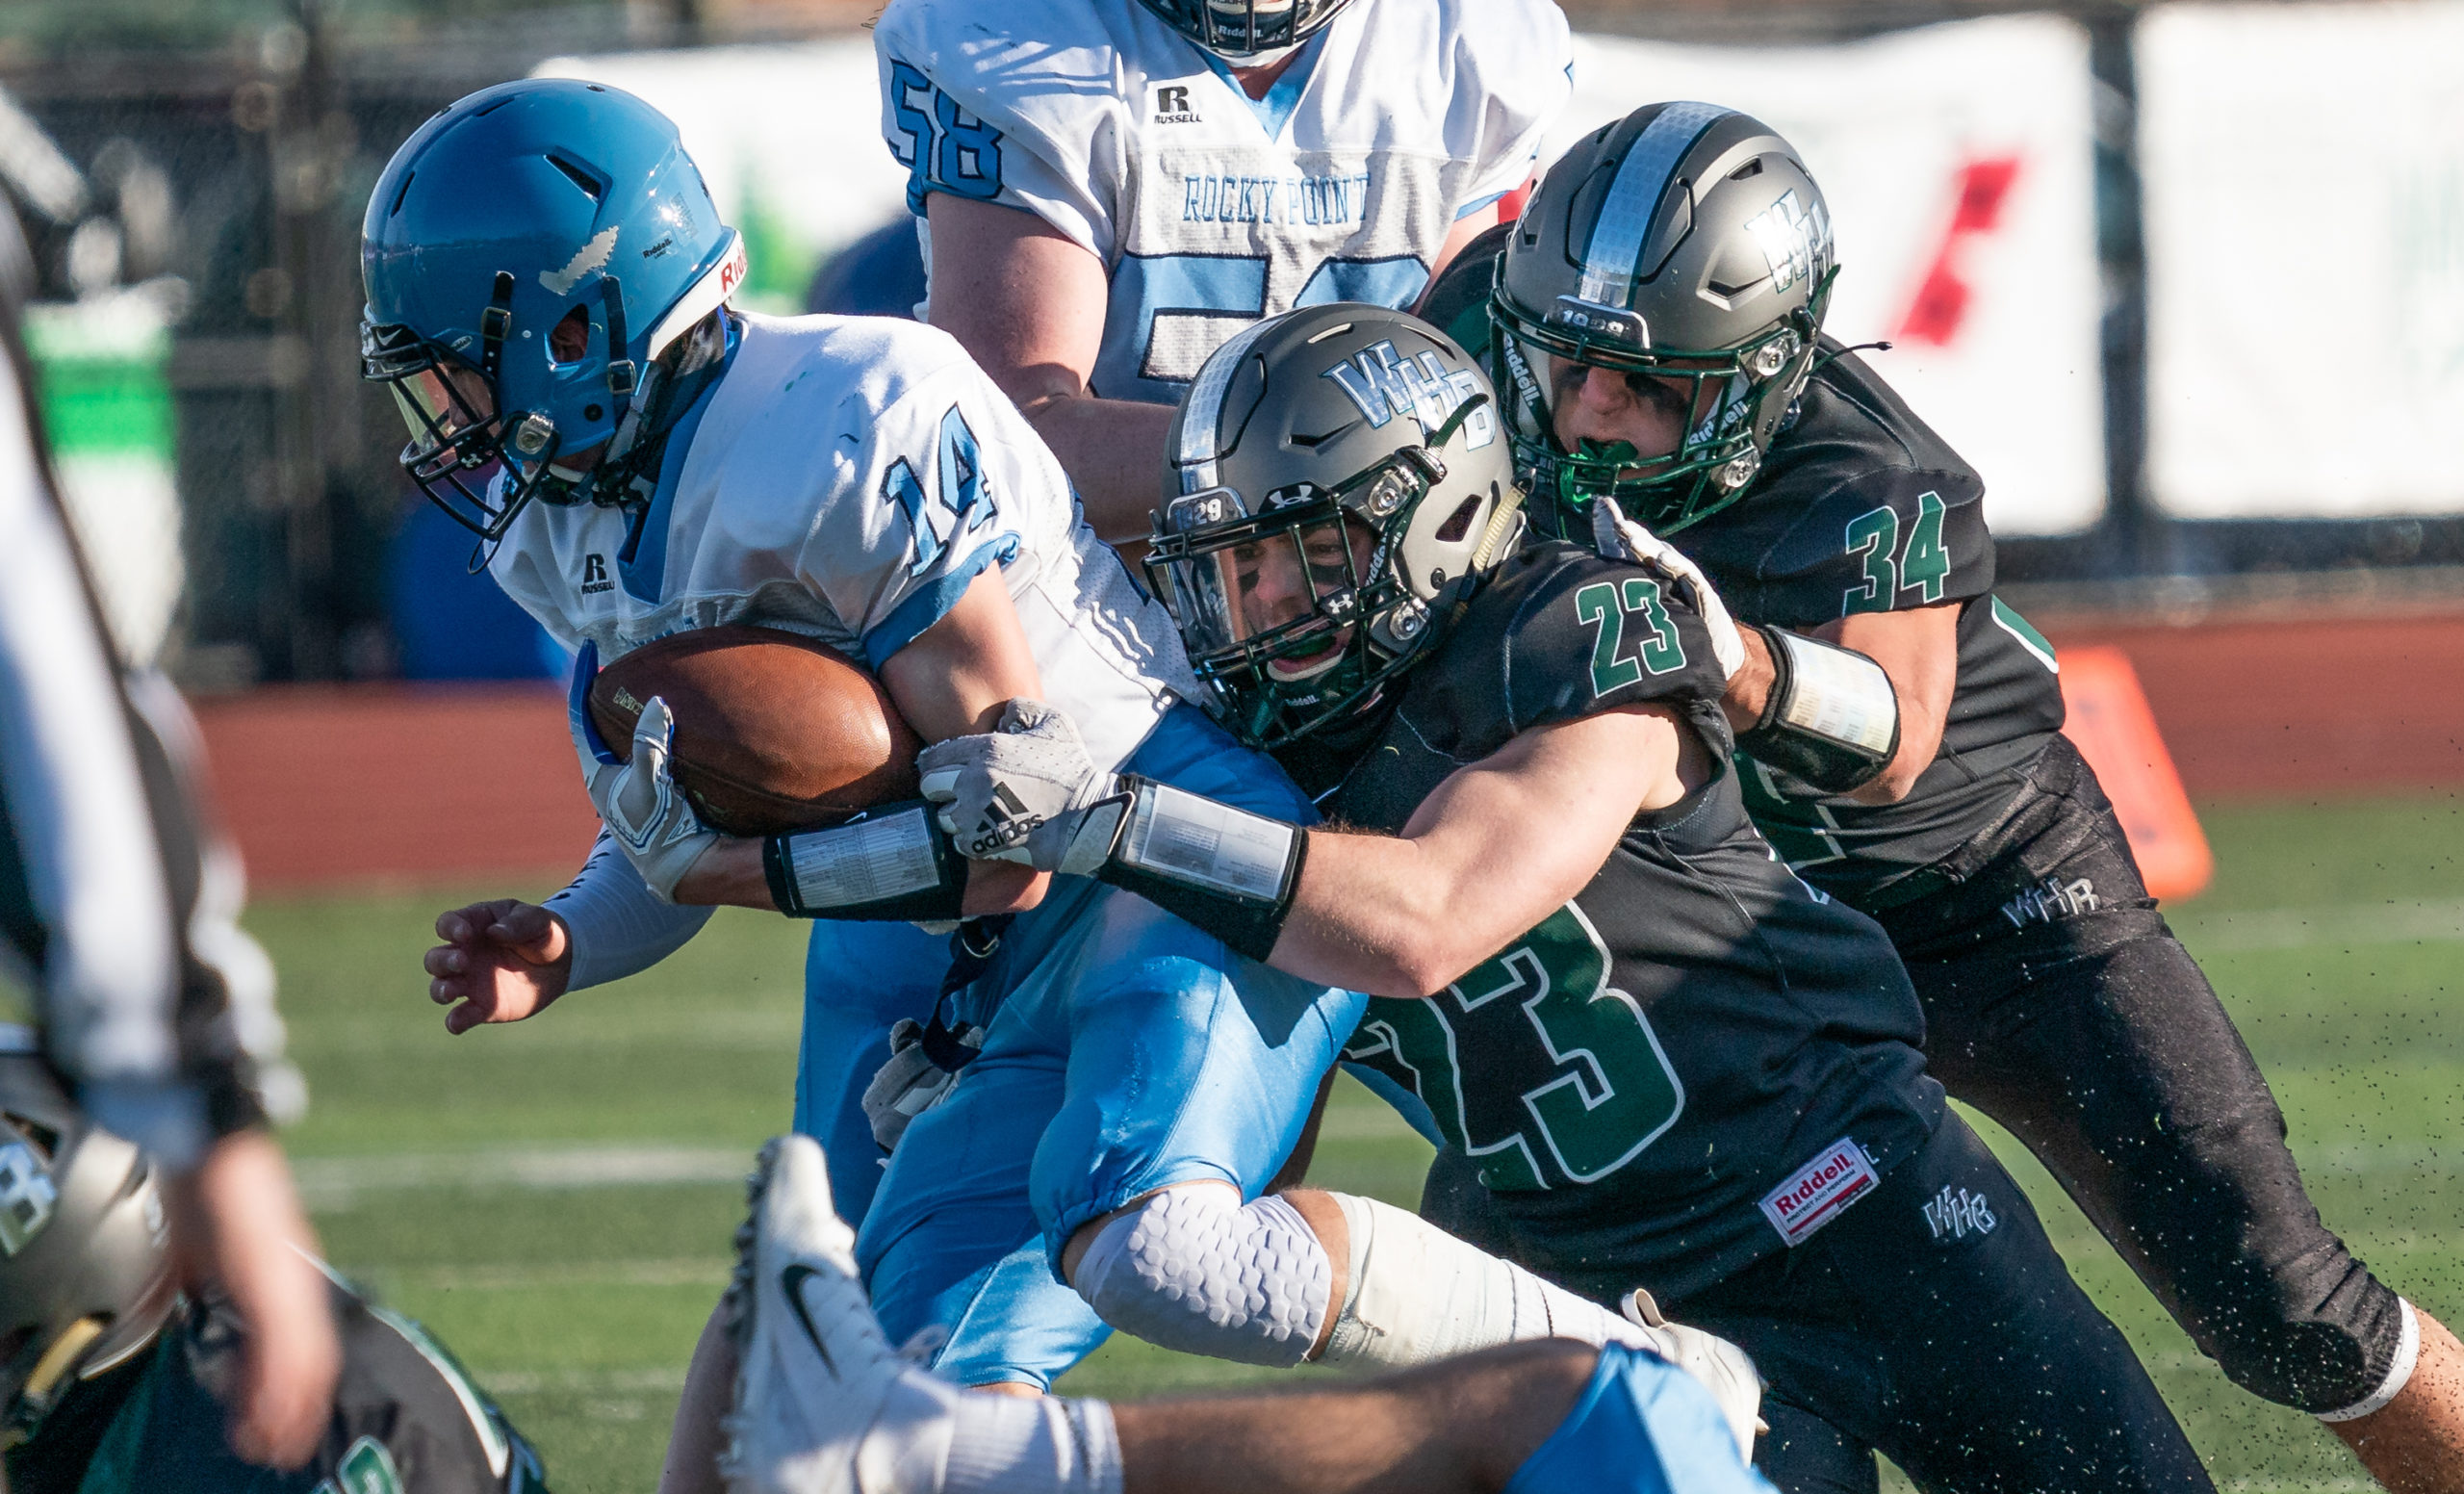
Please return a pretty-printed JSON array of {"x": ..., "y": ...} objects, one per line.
[
  {"x": 1015, "y": 793},
  {"x": 1719, "y": 1366},
  {"x": 1621, "y": 538},
  {"x": 647, "y": 815},
  {"x": 909, "y": 1084}
]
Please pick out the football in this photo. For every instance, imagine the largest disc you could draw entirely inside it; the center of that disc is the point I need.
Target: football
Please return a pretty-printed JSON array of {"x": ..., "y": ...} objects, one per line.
[{"x": 772, "y": 731}]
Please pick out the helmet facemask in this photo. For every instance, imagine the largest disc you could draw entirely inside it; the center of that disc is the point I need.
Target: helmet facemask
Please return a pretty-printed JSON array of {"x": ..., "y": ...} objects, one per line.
[
  {"x": 456, "y": 438},
  {"x": 1728, "y": 403},
  {"x": 450, "y": 404},
  {"x": 1298, "y": 615},
  {"x": 1248, "y": 32}
]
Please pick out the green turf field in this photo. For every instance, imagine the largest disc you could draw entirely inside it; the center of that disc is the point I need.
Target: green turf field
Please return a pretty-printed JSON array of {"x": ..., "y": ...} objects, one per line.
[{"x": 555, "y": 1198}]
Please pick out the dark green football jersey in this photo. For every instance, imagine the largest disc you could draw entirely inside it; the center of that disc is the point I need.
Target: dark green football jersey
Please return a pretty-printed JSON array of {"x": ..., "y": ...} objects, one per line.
[
  {"x": 1859, "y": 507},
  {"x": 1638, "y": 1076}
]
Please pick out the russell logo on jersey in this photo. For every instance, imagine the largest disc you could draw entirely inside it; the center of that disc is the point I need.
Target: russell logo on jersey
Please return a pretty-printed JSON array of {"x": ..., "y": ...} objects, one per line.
[{"x": 1173, "y": 106}]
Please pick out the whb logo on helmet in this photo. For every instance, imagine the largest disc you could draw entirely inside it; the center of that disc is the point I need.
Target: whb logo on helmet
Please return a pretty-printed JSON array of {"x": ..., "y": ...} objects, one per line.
[
  {"x": 1796, "y": 242},
  {"x": 26, "y": 1196},
  {"x": 1385, "y": 383}
]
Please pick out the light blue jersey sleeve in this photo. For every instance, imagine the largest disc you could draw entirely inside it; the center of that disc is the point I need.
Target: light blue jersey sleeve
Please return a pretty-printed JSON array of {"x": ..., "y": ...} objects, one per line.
[
  {"x": 938, "y": 493},
  {"x": 1642, "y": 1426}
]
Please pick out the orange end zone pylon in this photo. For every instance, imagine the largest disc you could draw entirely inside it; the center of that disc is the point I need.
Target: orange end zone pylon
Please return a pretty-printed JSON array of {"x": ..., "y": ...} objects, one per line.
[{"x": 2113, "y": 729}]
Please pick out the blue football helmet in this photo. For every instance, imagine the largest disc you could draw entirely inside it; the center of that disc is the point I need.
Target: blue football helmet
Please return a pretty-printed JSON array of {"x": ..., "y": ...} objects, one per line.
[{"x": 529, "y": 253}]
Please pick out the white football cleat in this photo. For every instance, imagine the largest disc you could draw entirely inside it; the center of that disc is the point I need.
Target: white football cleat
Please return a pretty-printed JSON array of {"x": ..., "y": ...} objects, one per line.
[
  {"x": 1719, "y": 1366},
  {"x": 822, "y": 1404}
]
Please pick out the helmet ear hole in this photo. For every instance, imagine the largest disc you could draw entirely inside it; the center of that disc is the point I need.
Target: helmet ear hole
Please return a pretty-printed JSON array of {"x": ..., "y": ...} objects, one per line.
[
  {"x": 570, "y": 341},
  {"x": 1459, "y": 522}
]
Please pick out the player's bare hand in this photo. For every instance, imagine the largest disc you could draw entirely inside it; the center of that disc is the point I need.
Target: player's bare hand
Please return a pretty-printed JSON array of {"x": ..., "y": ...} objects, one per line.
[
  {"x": 237, "y": 1221},
  {"x": 500, "y": 961}
]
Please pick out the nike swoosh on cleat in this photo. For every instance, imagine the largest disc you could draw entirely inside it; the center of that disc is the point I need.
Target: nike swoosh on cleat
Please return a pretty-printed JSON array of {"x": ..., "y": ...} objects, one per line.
[{"x": 791, "y": 1280}]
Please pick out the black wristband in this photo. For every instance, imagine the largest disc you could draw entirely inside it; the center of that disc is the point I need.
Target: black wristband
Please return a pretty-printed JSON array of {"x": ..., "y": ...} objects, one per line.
[
  {"x": 888, "y": 865},
  {"x": 1224, "y": 870},
  {"x": 1831, "y": 719}
]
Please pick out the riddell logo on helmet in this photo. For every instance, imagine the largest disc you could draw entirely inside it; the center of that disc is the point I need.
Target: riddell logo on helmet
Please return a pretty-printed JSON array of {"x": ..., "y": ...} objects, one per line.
[{"x": 1819, "y": 1192}]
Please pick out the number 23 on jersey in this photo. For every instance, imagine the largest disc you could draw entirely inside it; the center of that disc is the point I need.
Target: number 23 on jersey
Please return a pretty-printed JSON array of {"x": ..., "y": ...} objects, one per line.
[{"x": 1589, "y": 1087}]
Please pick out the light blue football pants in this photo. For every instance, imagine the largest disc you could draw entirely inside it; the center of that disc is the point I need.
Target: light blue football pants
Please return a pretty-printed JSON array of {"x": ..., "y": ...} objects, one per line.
[{"x": 1124, "y": 1051}]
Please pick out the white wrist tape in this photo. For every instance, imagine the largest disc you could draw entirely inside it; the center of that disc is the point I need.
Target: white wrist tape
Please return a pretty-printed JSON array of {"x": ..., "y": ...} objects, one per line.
[
  {"x": 1417, "y": 1295},
  {"x": 1007, "y": 1445},
  {"x": 1194, "y": 1270},
  {"x": 618, "y": 926}
]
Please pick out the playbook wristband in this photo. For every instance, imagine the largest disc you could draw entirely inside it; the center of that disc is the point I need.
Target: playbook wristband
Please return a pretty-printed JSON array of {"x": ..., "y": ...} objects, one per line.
[
  {"x": 892, "y": 864},
  {"x": 1831, "y": 719},
  {"x": 1225, "y": 871}
]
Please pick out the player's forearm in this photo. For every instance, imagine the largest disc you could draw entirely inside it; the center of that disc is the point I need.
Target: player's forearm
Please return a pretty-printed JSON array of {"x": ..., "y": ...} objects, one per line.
[
  {"x": 1385, "y": 914},
  {"x": 953, "y": 678},
  {"x": 1488, "y": 855},
  {"x": 1114, "y": 453},
  {"x": 615, "y": 924},
  {"x": 1919, "y": 649}
]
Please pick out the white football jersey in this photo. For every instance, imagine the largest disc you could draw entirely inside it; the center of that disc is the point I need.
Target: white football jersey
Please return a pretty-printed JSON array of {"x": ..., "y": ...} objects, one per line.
[
  {"x": 1211, "y": 210},
  {"x": 846, "y": 478}
]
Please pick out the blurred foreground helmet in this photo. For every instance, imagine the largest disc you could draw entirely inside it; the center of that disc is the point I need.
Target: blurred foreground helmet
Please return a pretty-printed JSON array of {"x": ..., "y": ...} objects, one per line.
[
  {"x": 84, "y": 1278},
  {"x": 518, "y": 209},
  {"x": 1333, "y": 474},
  {"x": 1247, "y": 32},
  {"x": 1686, "y": 243}
]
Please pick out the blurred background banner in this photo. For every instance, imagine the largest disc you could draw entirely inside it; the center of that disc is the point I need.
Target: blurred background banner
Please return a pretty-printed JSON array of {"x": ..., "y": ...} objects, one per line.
[
  {"x": 1957, "y": 161},
  {"x": 788, "y": 136},
  {"x": 2304, "y": 172}
]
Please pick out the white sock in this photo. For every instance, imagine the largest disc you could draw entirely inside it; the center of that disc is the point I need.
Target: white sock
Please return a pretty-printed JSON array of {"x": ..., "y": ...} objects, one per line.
[
  {"x": 2408, "y": 1353},
  {"x": 1417, "y": 1294},
  {"x": 1007, "y": 1445}
]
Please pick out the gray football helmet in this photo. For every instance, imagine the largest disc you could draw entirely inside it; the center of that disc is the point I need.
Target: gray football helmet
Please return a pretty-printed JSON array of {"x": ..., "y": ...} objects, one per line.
[
  {"x": 85, "y": 1274},
  {"x": 1247, "y": 32},
  {"x": 1334, "y": 477},
  {"x": 1686, "y": 248}
]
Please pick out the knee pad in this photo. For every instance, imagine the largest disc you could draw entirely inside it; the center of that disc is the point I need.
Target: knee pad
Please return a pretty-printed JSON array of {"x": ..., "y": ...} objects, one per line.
[{"x": 1194, "y": 1269}]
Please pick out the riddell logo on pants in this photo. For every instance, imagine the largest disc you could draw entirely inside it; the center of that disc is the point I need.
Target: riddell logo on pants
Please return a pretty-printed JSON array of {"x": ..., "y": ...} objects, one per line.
[{"x": 1819, "y": 1192}]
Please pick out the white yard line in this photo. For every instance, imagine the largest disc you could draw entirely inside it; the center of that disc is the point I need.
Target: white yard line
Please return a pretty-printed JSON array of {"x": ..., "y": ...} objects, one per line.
[
  {"x": 514, "y": 1277},
  {"x": 332, "y": 1183},
  {"x": 662, "y": 1381}
]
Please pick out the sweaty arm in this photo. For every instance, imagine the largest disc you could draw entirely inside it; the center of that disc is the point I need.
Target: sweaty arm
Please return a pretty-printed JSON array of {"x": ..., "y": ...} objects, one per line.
[
  {"x": 1919, "y": 649},
  {"x": 951, "y": 679},
  {"x": 1028, "y": 303},
  {"x": 1496, "y": 846},
  {"x": 1490, "y": 853}
]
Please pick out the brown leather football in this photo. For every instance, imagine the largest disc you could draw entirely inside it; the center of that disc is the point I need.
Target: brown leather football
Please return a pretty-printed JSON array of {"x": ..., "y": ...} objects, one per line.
[{"x": 772, "y": 731}]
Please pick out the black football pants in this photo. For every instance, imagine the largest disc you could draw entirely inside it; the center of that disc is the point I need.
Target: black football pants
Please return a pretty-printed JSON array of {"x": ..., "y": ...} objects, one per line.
[
  {"x": 2059, "y": 1003},
  {"x": 1935, "y": 1322}
]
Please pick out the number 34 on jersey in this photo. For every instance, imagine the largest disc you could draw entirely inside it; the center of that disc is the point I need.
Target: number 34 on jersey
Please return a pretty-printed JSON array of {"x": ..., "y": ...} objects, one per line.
[{"x": 1574, "y": 1083}]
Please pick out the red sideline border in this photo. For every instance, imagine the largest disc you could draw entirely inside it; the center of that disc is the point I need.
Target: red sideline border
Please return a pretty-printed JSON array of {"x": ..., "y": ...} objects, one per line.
[{"x": 332, "y": 785}]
